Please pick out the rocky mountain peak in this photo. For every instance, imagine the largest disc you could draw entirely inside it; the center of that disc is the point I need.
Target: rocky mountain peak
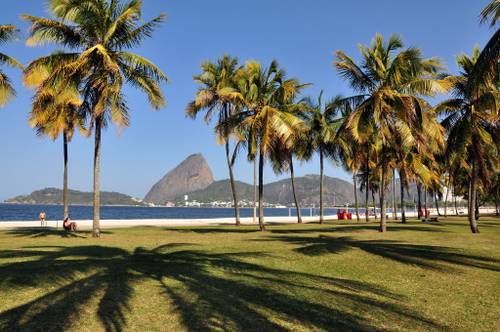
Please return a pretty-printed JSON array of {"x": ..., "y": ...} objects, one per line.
[{"x": 191, "y": 174}]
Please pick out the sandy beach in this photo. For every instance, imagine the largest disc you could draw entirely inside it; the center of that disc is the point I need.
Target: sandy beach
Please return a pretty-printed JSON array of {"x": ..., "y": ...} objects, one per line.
[{"x": 121, "y": 223}]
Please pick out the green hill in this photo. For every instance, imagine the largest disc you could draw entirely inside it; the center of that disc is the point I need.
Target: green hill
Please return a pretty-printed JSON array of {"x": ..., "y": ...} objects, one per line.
[
  {"x": 75, "y": 197},
  {"x": 337, "y": 191}
]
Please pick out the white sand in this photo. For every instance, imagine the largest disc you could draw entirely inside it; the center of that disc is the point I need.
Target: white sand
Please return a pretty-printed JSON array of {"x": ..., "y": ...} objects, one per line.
[{"x": 120, "y": 223}]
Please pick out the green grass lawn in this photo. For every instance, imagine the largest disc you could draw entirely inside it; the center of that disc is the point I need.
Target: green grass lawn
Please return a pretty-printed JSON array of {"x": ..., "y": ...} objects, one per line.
[{"x": 308, "y": 277}]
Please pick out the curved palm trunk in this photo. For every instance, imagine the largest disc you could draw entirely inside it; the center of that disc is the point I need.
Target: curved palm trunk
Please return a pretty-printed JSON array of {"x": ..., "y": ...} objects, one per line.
[
  {"x": 394, "y": 202},
  {"x": 261, "y": 190},
  {"x": 321, "y": 185},
  {"x": 472, "y": 199},
  {"x": 97, "y": 172},
  {"x": 419, "y": 200},
  {"x": 65, "y": 176},
  {"x": 425, "y": 204},
  {"x": 292, "y": 176},
  {"x": 436, "y": 202},
  {"x": 254, "y": 190},
  {"x": 374, "y": 205},
  {"x": 402, "y": 194},
  {"x": 233, "y": 185},
  {"x": 355, "y": 196}
]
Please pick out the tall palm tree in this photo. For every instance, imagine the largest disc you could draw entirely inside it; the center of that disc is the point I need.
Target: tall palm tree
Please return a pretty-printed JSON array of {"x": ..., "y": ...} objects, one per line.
[
  {"x": 218, "y": 95},
  {"x": 55, "y": 112},
  {"x": 323, "y": 127},
  {"x": 7, "y": 92},
  {"x": 471, "y": 120},
  {"x": 297, "y": 147},
  {"x": 96, "y": 35},
  {"x": 393, "y": 85},
  {"x": 265, "y": 116}
]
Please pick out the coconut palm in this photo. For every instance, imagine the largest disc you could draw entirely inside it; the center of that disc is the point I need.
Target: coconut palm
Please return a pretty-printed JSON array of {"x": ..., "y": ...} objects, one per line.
[
  {"x": 218, "y": 95},
  {"x": 96, "y": 35},
  {"x": 491, "y": 13},
  {"x": 323, "y": 127},
  {"x": 393, "y": 85},
  {"x": 265, "y": 117},
  {"x": 7, "y": 92},
  {"x": 55, "y": 112},
  {"x": 297, "y": 147},
  {"x": 471, "y": 120},
  {"x": 486, "y": 67}
]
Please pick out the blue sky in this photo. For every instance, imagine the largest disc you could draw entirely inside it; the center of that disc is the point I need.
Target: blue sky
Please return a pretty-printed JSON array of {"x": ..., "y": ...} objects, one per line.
[{"x": 301, "y": 35}]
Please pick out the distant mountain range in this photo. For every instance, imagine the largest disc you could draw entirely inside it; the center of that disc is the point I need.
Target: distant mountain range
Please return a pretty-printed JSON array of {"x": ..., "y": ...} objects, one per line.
[
  {"x": 75, "y": 197},
  {"x": 337, "y": 192},
  {"x": 193, "y": 177}
]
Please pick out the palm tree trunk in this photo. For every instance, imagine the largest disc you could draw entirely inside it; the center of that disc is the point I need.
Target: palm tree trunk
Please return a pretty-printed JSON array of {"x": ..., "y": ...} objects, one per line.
[
  {"x": 446, "y": 199},
  {"x": 419, "y": 200},
  {"x": 233, "y": 185},
  {"x": 402, "y": 194},
  {"x": 436, "y": 202},
  {"x": 321, "y": 185},
  {"x": 355, "y": 196},
  {"x": 394, "y": 202},
  {"x": 367, "y": 214},
  {"x": 383, "y": 223},
  {"x": 455, "y": 203},
  {"x": 65, "y": 176},
  {"x": 425, "y": 204},
  {"x": 472, "y": 199},
  {"x": 261, "y": 190},
  {"x": 374, "y": 205},
  {"x": 254, "y": 189},
  {"x": 97, "y": 172},
  {"x": 476, "y": 209},
  {"x": 292, "y": 176},
  {"x": 497, "y": 212}
]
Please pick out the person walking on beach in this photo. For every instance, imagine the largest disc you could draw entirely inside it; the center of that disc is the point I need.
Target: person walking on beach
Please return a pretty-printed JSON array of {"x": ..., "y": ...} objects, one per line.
[{"x": 43, "y": 222}]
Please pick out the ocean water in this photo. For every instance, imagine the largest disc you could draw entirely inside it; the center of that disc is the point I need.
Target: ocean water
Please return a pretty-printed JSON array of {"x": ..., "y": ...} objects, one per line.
[{"x": 21, "y": 212}]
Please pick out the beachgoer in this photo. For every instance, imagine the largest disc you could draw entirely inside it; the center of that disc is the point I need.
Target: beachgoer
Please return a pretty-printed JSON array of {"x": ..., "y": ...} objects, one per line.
[
  {"x": 43, "y": 222},
  {"x": 69, "y": 225}
]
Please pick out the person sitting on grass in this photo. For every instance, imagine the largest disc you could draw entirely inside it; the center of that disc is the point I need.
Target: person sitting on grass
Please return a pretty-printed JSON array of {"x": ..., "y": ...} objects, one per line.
[{"x": 69, "y": 225}]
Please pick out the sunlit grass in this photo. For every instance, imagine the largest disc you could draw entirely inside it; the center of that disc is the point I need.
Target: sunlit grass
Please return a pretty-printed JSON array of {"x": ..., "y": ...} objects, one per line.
[{"x": 292, "y": 277}]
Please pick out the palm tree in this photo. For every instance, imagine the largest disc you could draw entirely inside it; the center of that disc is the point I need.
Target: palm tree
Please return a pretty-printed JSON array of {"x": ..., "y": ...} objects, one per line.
[
  {"x": 392, "y": 85},
  {"x": 297, "y": 147},
  {"x": 491, "y": 13},
  {"x": 323, "y": 127},
  {"x": 471, "y": 120},
  {"x": 485, "y": 70},
  {"x": 7, "y": 92},
  {"x": 265, "y": 117},
  {"x": 96, "y": 35},
  {"x": 218, "y": 94},
  {"x": 55, "y": 112}
]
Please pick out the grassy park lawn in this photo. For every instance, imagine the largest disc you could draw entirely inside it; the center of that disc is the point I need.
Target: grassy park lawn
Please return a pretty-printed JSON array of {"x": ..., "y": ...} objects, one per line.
[{"x": 292, "y": 277}]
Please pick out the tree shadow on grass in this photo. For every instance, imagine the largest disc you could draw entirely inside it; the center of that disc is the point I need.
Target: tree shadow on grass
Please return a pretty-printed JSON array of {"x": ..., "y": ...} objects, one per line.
[
  {"x": 352, "y": 228},
  {"x": 211, "y": 291},
  {"x": 46, "y": 232},
  {"x": 425, "y": 256}
]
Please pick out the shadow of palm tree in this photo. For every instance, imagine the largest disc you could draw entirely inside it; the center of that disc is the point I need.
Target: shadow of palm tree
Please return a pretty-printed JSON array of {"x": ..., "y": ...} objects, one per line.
[
  {"x": 426, "y": 256},
  {"x": 46, "y": 232},
  {"x": 211, "y": 291}
]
